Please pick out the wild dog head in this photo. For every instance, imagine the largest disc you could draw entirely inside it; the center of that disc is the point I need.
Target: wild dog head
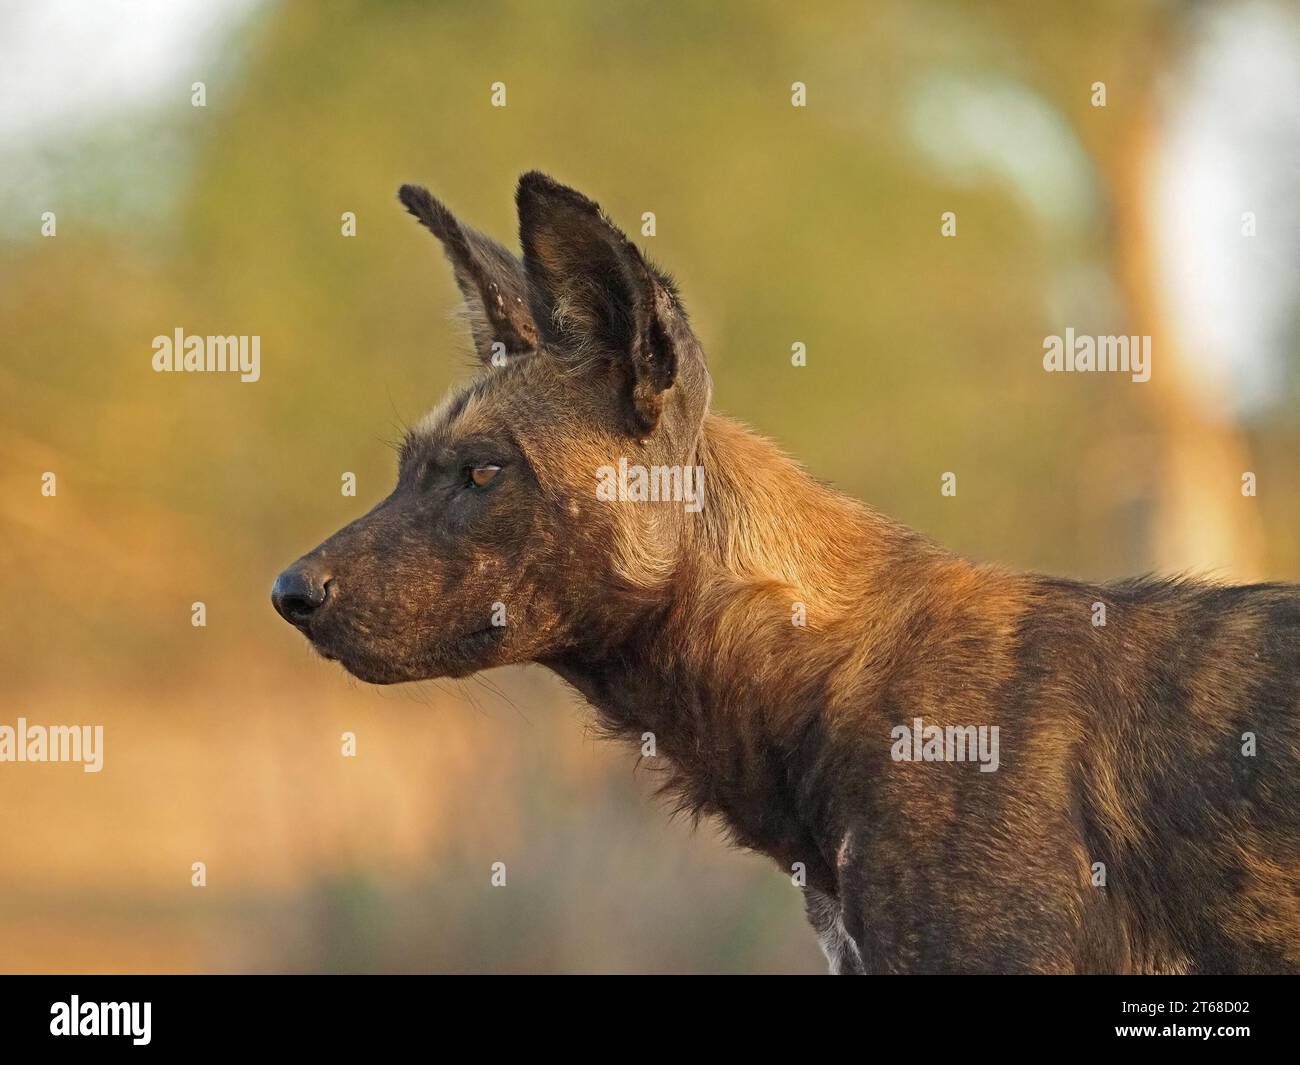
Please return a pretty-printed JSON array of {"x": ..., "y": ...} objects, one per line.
[{"x": 494, "y": 546}]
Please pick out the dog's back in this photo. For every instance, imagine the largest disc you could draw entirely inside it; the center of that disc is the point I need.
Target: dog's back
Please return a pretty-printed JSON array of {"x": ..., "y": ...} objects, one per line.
[
  {"x": 1193, "y": 786},
  {"x": 1145, "y": 814}
]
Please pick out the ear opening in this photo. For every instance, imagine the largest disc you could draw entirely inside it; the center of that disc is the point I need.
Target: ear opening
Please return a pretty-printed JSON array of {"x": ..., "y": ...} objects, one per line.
[{"x": 490, "y": 279}]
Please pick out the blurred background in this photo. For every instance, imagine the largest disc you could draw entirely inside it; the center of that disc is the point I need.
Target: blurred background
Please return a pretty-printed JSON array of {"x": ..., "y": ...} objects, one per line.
[{"x": 1171, "y": 211}]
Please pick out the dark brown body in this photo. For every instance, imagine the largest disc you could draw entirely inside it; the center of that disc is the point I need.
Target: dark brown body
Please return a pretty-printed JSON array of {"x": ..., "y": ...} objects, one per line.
[{"x": 1145, "y": 812}]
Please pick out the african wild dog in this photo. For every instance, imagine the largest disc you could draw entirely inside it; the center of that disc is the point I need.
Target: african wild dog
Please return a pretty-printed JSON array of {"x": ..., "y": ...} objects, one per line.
[{"x": 1120, "y": 746}]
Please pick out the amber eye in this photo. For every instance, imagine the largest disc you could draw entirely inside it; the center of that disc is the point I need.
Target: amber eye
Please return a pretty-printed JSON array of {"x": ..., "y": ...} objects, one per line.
[{"x": 482, "y": 476}]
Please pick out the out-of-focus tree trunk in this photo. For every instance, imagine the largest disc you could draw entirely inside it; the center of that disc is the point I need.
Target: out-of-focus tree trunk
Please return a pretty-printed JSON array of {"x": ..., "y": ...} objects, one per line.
[{"x": 1202, "y": 522}]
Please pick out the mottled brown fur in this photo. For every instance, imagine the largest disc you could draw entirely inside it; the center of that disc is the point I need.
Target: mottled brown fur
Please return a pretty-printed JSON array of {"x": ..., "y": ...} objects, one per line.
[{"x": 1121, "y": 744}]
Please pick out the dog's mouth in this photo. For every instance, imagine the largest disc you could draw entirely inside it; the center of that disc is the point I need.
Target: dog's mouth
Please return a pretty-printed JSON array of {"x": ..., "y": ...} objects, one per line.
[
  {"x": 457, "y": 656},
  {"x": 485, "y": 636}
]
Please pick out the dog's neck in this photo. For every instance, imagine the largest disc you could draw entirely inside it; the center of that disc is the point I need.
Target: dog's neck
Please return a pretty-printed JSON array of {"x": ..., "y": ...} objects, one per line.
[{"x": 751, "y": 654}]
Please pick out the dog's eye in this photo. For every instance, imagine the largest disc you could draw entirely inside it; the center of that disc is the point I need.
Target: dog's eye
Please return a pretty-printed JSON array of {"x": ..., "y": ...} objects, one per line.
[{"x": 481, "y": 476}]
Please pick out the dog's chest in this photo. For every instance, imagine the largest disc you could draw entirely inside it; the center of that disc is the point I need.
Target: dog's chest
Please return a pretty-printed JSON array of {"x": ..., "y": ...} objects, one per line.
[{"x": 827, "y": 920}]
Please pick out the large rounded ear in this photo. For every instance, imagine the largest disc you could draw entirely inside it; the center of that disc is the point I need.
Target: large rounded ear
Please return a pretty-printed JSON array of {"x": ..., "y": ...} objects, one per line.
[
  {"x": 594, "y": 295},
  {"x": 489, "y": 277}
]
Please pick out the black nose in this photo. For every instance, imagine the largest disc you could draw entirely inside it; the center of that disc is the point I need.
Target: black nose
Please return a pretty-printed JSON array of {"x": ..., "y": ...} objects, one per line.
[{"x": 299, "y": 592}]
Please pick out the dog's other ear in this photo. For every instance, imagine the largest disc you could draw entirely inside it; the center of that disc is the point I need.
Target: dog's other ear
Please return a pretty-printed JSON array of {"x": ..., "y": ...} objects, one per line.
[
  {"x": 594, "y": 295},
  {"x": 489, "y": 277}
]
